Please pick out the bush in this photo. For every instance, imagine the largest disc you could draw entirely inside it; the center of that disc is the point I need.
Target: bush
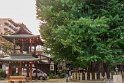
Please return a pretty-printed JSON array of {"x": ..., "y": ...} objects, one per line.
[
  {"x": 52, "y": 76},
  {"x": 59, "y": 74},
  {"x": 2, "y": 74}
]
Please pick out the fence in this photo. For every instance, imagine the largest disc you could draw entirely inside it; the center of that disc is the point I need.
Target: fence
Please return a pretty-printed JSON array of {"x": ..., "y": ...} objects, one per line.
[{"x": 80, "y": 75}]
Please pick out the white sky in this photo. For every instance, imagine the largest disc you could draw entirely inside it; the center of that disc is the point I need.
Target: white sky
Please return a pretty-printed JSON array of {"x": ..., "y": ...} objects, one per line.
[{"x": 22, "y": 11}]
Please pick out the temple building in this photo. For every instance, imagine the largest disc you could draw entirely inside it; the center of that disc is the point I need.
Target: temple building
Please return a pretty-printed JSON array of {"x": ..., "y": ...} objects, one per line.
[
  {"x": 24, "y": 52},
  {"x": 7, "y": 27}
]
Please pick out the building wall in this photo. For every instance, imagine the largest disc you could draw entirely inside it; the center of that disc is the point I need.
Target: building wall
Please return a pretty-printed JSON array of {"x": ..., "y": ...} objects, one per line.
[{"x": 7, "y": 25}]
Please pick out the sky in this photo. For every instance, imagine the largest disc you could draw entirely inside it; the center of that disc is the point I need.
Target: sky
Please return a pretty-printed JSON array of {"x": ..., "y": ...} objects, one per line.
[{"x": 21, "y": 11}]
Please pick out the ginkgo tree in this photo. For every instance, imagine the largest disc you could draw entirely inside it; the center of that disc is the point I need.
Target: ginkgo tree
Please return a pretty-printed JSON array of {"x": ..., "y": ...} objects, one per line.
[{"x": 83, "y": 31}]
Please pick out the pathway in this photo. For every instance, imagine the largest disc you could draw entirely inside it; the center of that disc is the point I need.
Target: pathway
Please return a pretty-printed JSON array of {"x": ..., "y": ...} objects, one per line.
[{"x": 56, "y": 81}]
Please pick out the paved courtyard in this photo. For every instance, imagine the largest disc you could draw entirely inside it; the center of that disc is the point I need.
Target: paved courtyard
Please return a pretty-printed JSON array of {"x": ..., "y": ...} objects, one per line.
[{"x": 56, "y": 81}]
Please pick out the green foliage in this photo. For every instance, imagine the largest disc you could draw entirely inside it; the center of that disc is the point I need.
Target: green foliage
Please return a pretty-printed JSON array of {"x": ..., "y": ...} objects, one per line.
[
  {"x": 83, "y": 31},
  {"x": 60, "y": 74},
  {"x": 6, "y": 46},
  {"x": 2, "y": 74}
]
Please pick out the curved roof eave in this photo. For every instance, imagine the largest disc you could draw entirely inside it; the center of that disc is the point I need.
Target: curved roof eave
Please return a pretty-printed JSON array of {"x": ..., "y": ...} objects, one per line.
[{"x": 20, "y": 58}]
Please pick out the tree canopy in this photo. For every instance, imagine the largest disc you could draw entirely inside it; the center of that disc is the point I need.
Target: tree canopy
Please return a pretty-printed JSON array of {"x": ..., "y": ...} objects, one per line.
[{"x": 83, "y": 31}]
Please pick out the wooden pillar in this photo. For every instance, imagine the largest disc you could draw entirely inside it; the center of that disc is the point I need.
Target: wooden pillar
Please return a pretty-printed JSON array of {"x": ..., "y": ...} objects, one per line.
[
  {"x": 112, "y": 75},
  {"x": 27, "y": 69},
  {"x": 9, "y": 71},
  {"x": 85, "y": 75},
  {"x": 30, "y": 46},
  {"x": 95, "y": 76},
  {"x": 14, "y": 46},
  {"x": 36, "y": 66},
  {"x": 35, "y": 49},
  {"x": 30, "y": 71},
  {"x": 81, "y": 75},
  {"x": 22, "y": 46},
  {"x": 78, "y": 75},
  {"x": 73, "y": 75},
  {"x": 91, "y": 76},
  {"x": 20, "y": 68},
  {"x": 101, "y": 77}
]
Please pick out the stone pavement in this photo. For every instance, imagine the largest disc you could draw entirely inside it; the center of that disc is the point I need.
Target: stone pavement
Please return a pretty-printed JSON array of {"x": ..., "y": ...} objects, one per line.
[
  {"x": 63, "y": 81},
  {"x": 56, "y": 81}
]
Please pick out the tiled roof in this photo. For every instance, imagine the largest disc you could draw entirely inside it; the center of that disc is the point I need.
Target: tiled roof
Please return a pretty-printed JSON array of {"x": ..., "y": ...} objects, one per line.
[
  {"x": 23, "y": 30},
  {"x": 34, "y": 38},
  {"x": 19, "y": 36},
  {"x": 19, "y": 58}
]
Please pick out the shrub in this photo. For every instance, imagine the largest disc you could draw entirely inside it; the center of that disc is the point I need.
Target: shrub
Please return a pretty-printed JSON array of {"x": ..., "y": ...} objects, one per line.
[
  {"x": 59, "y": 74},
  {"x": 2, "y": 74}
]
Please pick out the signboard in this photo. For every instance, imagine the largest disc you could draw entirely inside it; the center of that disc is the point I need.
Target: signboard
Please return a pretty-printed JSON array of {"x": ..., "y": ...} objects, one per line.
[{"x": 51, "y": 67}]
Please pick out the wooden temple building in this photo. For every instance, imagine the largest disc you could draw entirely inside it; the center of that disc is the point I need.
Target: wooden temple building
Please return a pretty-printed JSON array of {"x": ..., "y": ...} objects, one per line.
[{"x": 24, "y": 45}]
